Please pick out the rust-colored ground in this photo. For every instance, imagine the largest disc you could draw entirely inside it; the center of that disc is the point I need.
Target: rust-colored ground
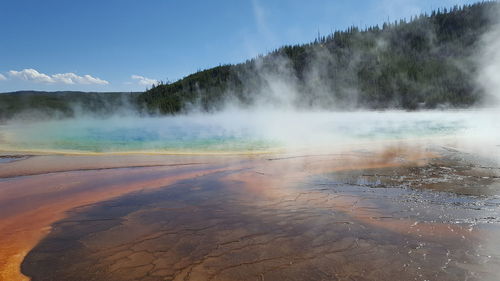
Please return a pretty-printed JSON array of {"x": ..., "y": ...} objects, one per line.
[
  {"x": 38, "y": 192},
  {"x": 30, "y": 204}
]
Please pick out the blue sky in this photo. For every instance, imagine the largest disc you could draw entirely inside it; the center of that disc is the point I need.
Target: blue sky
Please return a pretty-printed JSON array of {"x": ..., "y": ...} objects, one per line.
[{"x": 125, "y": 45}]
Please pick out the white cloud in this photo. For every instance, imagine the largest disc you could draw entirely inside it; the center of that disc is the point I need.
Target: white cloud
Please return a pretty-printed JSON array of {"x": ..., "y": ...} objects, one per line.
[
  {"x": 2, "y": 77},
  {"x": 141, "y": 80},
  {"x": 71, "y": 78},
  {"x": 61, "y": 78},
  {"x": 31, "y": 75}
]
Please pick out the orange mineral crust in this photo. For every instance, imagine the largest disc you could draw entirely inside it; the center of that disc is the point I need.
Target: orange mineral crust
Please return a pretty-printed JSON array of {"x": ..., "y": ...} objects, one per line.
[
  {"x": 378, "y": 213},
  {"x": 30, "y": 204}
]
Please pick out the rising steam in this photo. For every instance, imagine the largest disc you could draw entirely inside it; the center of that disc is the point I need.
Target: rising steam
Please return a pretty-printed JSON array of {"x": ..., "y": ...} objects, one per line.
[
  {"x": 489, "y": 62},
  {"x": 275, "y": 121}
]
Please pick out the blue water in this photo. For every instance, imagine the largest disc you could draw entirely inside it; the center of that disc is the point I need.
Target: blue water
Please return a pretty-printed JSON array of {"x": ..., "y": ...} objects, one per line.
[{"x": 229, "y": 131}]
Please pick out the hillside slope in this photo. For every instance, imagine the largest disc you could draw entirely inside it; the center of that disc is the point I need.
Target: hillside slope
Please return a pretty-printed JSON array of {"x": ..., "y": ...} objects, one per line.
[
  {"x": 426, "y": 62},
  {"x": 36, "y": 104}
]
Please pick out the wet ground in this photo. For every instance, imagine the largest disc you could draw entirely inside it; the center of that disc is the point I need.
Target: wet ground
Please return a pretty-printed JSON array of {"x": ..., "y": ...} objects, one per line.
[
  {"x": 395, "y": 215},
  {"x": 12, "y": 158}
]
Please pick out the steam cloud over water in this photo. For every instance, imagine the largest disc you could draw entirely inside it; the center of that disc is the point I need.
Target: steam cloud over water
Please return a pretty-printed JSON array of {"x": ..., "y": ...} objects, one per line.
[{"x": 247, "y": 131}]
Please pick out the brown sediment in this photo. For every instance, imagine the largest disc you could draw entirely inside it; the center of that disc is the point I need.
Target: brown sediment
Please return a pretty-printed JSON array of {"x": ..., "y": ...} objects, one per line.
[
  {"x": 289, "y": 170},
  {"x": 30, "y": 205},
  {"x": 98, "y": 169},
  {"x": 43, "y": 164},
  {"x": 274, "y": 181}
]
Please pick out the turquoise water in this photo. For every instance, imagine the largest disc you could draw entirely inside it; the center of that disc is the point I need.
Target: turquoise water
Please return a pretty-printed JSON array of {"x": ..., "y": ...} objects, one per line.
[
  {"x": 140, "y": 135},
  {"x": 229, "y": 131}
]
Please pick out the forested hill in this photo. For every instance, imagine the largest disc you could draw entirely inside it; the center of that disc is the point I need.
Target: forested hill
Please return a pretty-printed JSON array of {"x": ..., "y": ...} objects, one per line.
[
  {"x": 428, "y": 61},
  {"x": 36, "y": 104},
  {"x": 423, "y": 62}
]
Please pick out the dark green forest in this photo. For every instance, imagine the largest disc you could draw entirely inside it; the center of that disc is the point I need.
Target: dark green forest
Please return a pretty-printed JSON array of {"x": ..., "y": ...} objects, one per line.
[
  {"x": 35, "y": 104},
  {"x": 423, "y": 62}
]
